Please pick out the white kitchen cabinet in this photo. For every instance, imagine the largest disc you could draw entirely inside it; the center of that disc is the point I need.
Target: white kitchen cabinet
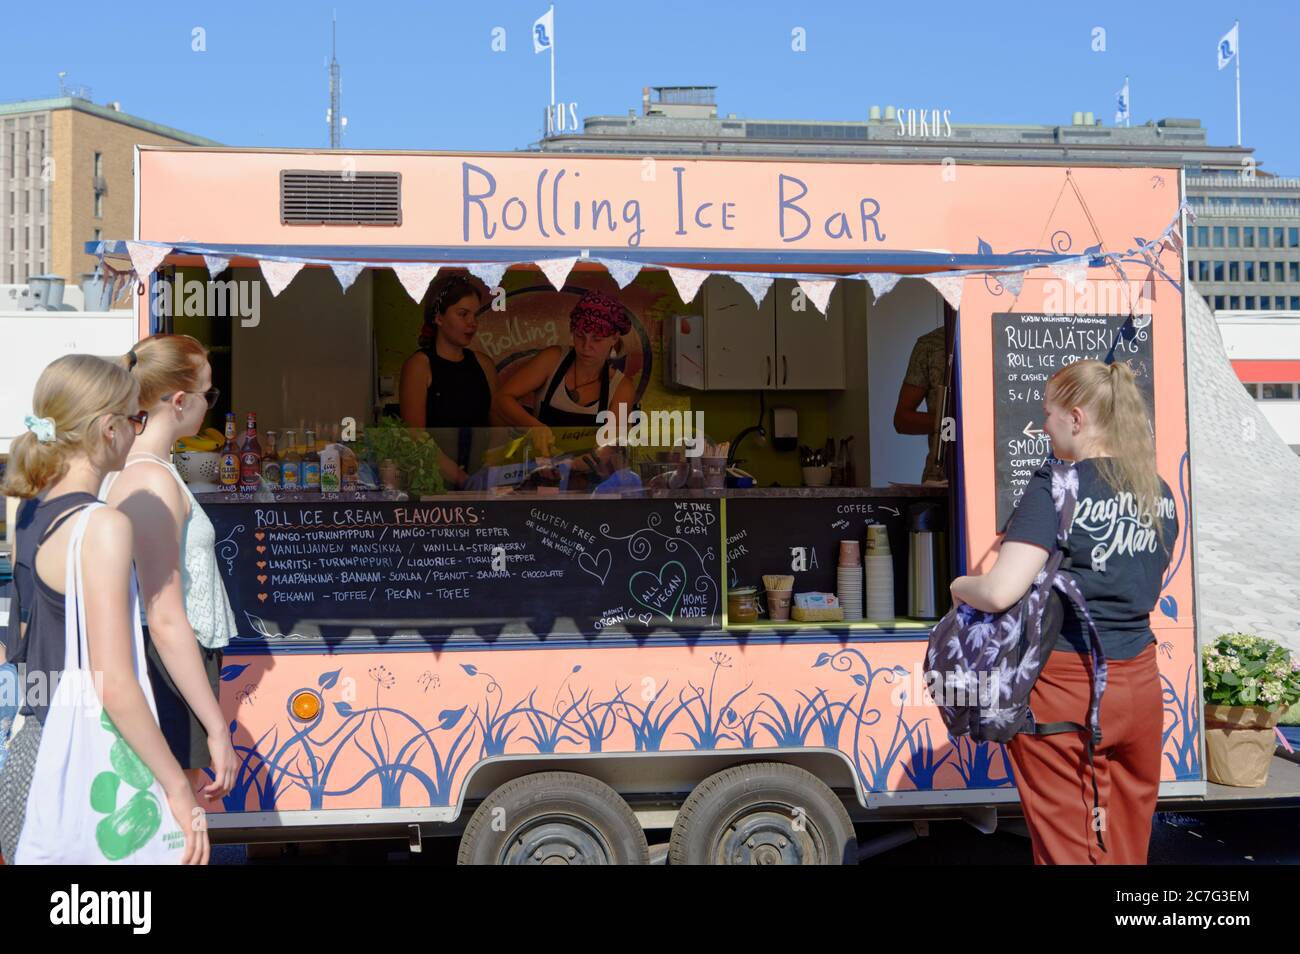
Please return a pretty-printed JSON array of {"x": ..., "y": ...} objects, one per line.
[
  {"x": 770, "y": 346},
  {"x": 809, "y": 345},
  {"x": 739, "y": 337}
]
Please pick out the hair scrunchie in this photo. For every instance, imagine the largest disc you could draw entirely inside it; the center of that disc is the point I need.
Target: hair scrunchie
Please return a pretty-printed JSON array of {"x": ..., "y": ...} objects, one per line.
[{"x": 42, "y": 427}]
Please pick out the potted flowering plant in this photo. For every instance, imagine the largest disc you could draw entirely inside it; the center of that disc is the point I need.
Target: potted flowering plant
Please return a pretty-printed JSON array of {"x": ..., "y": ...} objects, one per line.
[{"x": 1249, "y": 683}]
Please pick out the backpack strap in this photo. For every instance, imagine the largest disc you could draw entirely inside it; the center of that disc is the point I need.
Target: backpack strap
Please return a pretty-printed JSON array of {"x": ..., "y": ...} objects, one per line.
[{"x": 1065, "y": 490}]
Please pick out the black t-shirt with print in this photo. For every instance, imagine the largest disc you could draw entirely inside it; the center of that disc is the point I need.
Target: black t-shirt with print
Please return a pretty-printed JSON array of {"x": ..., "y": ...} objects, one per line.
[{"x": 1119, "y": 563}]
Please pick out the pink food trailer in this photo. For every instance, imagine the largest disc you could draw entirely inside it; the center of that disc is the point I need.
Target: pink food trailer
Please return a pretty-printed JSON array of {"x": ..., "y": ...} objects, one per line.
[{"x": 549, "y": 672}]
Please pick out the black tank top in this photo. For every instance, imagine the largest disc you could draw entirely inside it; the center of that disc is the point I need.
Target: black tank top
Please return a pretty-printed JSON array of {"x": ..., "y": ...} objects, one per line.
[
  {"x": 458, "y": 397},
  {"x": 41, "y": 605},
  {"x": 552, "y": 416}
]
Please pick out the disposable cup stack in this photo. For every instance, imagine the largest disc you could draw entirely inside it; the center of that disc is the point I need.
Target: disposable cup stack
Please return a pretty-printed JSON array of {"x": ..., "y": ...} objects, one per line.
[
  {"x": 849, "y": 580},
  {"x": 879, "y": 567},
  {"x": 849, "y": 590}
]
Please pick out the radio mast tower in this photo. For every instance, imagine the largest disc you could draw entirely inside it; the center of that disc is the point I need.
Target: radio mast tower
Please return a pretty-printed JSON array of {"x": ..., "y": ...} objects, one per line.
[{"x": 336, "y": 121}]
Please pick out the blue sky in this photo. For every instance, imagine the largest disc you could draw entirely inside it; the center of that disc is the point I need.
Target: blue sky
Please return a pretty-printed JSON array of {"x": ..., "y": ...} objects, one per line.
[{"x": 424, "y": 75}]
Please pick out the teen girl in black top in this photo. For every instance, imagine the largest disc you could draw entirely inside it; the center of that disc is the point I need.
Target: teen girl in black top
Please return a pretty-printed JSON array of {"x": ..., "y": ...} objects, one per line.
[{"x": 447, "y": 387}]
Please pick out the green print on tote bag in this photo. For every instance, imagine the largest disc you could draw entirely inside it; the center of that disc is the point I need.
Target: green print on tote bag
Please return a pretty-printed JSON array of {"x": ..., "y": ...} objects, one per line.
[
  {"x": 93, "y": 801},
  {"x": 128, "y": 828}
]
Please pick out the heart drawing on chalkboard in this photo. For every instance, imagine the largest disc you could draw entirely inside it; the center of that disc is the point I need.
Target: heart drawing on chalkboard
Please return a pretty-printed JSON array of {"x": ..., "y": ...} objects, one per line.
[
  {"x": 598, "y": 566},
  {"x": 259, "y": 536},
  {"x": 661, "y": 591},
  {"x": 262, "y": 597},
  {"x": 262, "y": 578}
]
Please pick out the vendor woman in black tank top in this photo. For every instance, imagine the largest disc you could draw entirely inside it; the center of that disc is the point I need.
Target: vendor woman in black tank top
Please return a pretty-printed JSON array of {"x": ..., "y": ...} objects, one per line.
[
  {"x": 572, "y": 386},
  {"x": 446, "y": 386}
]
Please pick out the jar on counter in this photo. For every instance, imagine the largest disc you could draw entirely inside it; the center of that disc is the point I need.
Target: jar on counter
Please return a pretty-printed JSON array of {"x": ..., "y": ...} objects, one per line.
[
  {"x": 742, "y": 604},
  {"x": 388, "y": 478}
]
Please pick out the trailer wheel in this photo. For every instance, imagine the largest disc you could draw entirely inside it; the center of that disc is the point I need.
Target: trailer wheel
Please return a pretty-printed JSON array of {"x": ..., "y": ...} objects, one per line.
[
  {"x": 766, "y": 813},
  {"x": 553, "y": 818}
]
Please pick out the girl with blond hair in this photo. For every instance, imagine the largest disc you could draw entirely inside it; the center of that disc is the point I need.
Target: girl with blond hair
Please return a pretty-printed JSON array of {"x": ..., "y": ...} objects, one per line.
[
  {"x": 189, "y": 615},
  {"x": 1119, "y": 547},
  {"x": 85, "y": 418}
]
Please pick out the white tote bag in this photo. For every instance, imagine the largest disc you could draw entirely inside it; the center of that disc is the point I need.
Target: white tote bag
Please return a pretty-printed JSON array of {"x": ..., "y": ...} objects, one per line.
[{"x": 93, "y": 801}]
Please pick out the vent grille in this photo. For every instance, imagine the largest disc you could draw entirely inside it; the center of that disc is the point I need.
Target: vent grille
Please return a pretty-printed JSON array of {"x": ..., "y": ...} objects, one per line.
[{"x": 317, "y": 197}]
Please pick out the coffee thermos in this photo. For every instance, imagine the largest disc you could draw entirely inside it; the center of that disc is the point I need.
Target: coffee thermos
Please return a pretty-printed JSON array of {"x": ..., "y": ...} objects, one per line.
[{"x": 928, "y": 596}]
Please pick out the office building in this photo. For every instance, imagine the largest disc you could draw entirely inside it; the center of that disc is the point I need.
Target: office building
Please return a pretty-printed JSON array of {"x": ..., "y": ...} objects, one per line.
[{"x": 66, "y": 179}]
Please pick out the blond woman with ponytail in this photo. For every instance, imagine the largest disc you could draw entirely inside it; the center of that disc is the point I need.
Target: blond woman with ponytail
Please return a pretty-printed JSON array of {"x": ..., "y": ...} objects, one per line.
[
  {"x": 1119, "y": 545},
  {"x": 85, "y": 418},
  {"x": 188, "y": 612}
]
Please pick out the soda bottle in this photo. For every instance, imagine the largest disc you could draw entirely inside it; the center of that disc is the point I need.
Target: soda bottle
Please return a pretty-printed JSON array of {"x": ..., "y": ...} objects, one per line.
[
  {"x": 291, "y": 465},
  {"x": 271, "y": 463},
  {"x": 250, "y": 457},
  {"x": 228, "y": 465}
]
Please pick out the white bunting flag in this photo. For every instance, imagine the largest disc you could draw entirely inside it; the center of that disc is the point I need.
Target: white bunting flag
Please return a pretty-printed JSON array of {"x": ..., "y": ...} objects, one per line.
[
  {"x": 622, "y": 272},
  {"x": 1149, "y": 286},
  {"x": 687, "y": 281},
  {"x": 415, "y": 278},
  {"x": 756, "y": 285},
  {"x": 1072, "y": 270},
  {"x": 216, "y": 264},
  {"x": 489, "y": 273},
  {"x": 347, "y": 272},
  {"x": 949, "y": 286},
  {"x": 278, "y": 275},
  {"x": 1012, "y": 281},
  {"x": 557, "y": 270},
  {"x": 145, "y": 258},
  {"x": 882, "y": 283},
  {"x": 818, "y": 291}
]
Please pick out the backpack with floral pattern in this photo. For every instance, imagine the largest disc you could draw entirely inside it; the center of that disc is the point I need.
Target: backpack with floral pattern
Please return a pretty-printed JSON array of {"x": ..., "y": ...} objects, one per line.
[{"x": 981, "y": 667}]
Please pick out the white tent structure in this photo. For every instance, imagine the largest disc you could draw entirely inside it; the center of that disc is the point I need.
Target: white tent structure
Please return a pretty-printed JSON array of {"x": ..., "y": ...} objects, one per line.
[{"x": 1245, "y": 498}]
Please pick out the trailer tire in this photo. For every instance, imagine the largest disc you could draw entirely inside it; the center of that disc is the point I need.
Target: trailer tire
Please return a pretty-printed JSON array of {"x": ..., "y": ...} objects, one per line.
[
  {"x": 554, "y": 818},
  {"x": 763, "y": 813}
]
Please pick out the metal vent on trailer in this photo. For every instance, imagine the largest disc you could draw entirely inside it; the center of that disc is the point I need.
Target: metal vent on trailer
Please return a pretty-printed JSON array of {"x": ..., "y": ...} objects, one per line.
[{"x": 321, "y": 197}]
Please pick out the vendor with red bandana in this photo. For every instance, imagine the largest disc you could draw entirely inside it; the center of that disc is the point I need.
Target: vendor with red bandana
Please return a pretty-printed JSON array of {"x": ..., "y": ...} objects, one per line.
[{"x": 571, "y": 386}]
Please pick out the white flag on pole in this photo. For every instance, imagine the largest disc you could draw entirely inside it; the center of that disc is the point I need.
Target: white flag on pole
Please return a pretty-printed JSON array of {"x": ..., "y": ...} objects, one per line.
[
  {"x": 1121, "y": 104},
  {"x": 1228, "y": 47},
  {"x": 544, "y": 31}
]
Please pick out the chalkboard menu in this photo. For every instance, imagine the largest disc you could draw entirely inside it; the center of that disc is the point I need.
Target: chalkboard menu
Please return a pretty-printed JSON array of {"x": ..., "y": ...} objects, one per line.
[
  {"x": 438, "y": 570},
  {"x": 1027, "y": 350},
  {"x": 800, "y": 536}
]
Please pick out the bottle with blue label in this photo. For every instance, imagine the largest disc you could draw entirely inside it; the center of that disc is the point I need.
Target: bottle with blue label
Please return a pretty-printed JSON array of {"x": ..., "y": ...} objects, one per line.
[
  {"x": 291, "y": 464},
  {"x": 311, "y": 464}
]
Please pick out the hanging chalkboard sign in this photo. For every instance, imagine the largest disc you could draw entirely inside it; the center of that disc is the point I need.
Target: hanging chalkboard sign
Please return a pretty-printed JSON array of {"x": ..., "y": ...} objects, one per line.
[
  {"x": 438, "y": 570},
  {"x": 1027, "y": 350},
  {"x": 800, "y": 536}
]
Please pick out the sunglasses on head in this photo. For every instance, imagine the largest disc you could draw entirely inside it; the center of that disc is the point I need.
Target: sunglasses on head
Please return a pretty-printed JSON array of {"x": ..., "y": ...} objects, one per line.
[{"x": 210, "y": 395}]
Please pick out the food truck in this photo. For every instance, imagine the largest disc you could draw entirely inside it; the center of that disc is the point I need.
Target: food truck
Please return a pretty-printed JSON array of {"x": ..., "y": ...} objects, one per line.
[{"x": 546, "y": 662}]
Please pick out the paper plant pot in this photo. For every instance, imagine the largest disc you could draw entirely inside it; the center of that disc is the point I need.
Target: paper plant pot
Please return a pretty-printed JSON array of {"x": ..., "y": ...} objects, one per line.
[{"x": 1239, "y": 744}]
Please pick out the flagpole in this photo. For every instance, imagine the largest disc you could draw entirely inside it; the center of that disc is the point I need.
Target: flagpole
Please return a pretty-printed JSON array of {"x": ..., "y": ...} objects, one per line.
[
  {"x": 1237, "y": 27},
  {"x": 1128, "y": 104},
  {"x": 553, "y": 76}
]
